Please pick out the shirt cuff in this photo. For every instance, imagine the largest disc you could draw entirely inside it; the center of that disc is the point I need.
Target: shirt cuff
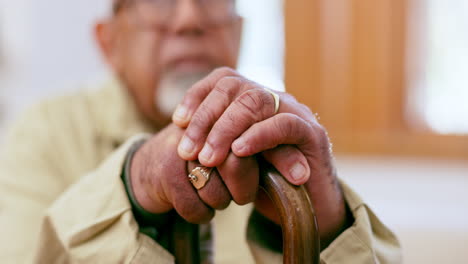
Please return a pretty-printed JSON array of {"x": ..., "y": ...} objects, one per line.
[
  {"x": 368, "y": 240},
  {"x": 148, "y": 222},
  {"x": 92, "y": 222}
]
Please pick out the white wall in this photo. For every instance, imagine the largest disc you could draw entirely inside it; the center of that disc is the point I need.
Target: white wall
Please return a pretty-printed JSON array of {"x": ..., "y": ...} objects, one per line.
[
  {"x": 438, "y": 64},
  {"x": 48, "y": 47}
]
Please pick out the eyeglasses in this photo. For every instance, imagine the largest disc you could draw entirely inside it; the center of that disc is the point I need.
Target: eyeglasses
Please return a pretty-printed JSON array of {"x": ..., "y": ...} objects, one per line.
[{"x": 159, "y": 12}]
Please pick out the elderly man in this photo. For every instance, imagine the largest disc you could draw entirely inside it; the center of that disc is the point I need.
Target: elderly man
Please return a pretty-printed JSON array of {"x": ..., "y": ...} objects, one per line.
[{"x": 91, "y": 177}]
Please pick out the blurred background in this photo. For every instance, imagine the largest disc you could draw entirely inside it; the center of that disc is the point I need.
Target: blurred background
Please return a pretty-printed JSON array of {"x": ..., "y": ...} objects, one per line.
[{"x": 388, "y": 78}]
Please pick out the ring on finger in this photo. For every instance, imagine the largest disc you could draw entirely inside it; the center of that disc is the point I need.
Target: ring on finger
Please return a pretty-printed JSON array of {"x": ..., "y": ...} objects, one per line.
[
  {"x": 200, "y": 176},
  {"x": 276, "y": 98}
]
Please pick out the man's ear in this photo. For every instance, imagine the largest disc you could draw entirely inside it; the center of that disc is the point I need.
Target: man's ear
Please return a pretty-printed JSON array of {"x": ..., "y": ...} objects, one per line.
[{"x": 106, "y": 38}]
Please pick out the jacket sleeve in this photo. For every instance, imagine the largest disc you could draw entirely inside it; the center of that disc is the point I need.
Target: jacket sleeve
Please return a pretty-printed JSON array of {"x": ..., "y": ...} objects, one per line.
[
  {"x": 45, "y": 220},
  {"x": 366, "y": 241}
]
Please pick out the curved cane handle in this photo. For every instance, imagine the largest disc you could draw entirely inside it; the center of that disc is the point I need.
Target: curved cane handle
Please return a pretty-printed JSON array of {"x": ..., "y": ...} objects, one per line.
[{"x": 301, "y": 241}]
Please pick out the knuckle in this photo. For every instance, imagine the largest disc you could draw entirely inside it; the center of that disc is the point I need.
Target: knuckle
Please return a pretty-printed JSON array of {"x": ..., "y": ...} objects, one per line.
[
  {"x": 301, "y": 108},
  {"x": 285, "y": 125},
  {"x": 220, "y": 204},
  {"x": 215, "y": 195},
  {"x": 292, "y": 126},
  {"x": 253, "y": 102},
  {"x": 231, "y": 117},
  {"x": 226, "y": 86},
  {"x": 198, "y": 217},
  {"x": 243, "y": 198},
  {"x": 268, "y": 102},
  {"x": 289, "y": 98},
  {"x": 200, "y": 119},
  {"x": 306, "y": 109},
  {"x": 226, "y": 128},
  {"x": 225, "y": 204},
  {"x": 241, "y": 176},
  {"x": 323, "y": 139},
  {"x": 224, "y": 71},
  {"x": 217, "y": 140},
  {"x": 320, "y": 132},
  {"x": 193, "y": 211}
]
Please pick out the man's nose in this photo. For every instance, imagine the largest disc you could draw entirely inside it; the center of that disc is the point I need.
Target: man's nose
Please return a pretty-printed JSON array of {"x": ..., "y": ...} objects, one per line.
[{"x": 188, "y": 18}]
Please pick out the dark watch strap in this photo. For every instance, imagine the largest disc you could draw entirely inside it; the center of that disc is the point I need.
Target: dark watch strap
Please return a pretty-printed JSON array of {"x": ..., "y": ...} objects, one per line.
[{"x": 149, "y": 223}]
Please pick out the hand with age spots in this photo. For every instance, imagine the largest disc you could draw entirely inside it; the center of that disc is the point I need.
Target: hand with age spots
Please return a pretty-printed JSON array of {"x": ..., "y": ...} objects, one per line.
[
  {"x": 159, "y": 180},
  {"x": 229, "y": 120}
]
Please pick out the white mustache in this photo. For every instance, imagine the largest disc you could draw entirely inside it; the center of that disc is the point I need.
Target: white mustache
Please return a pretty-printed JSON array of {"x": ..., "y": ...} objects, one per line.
[{"x": 171, "y": 90}]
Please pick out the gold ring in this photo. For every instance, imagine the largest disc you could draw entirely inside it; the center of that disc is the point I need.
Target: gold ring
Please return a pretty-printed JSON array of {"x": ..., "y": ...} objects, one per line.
[
  {"x": 200, "y": 176},
  {"x": 276, "y": 98}
]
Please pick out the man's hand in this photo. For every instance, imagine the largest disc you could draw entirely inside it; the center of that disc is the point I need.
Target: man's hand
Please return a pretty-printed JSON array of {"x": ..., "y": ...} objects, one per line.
[
  {"x": 159, "y": 179},
  {"x": 226, "y": 114}
]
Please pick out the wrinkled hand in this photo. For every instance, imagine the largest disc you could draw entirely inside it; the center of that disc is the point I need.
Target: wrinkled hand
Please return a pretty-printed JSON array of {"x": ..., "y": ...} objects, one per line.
[
  {"x": 226, "y": 115},
  {"x": 160, "y": 183}
]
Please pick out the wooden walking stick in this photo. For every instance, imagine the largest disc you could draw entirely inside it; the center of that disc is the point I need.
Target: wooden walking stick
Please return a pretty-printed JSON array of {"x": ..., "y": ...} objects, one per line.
[{"x": 301, "y": 242}]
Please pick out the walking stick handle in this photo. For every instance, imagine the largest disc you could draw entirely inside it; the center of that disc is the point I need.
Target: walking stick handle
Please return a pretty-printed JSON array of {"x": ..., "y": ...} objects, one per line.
[{"x": 301, "y": 241}]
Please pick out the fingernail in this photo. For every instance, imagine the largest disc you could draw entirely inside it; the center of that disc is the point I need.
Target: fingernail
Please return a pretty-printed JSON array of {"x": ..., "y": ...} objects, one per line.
[
  {"x": 187, "y": 146},
  {"x": 298, "y": 171},
  {"x": 239, "y": 146},
  {"x": 181, "y": 113},
  {"x": 207, "y": 153}
]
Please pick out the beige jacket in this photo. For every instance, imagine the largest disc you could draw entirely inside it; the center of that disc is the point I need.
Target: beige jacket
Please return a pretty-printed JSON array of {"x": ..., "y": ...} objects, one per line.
[{"x": 62, "y": 199}]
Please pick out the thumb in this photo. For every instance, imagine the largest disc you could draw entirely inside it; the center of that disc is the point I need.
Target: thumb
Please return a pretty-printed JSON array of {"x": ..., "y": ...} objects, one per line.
[{"x": 290, "y": 162}]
